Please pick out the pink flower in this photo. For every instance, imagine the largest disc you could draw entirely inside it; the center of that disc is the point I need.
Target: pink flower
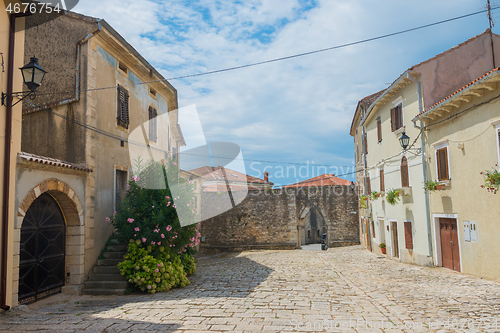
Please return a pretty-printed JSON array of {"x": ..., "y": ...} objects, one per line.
[
  {"x": 173, "y": 205},
  {"x": 157, "y": 270},
  {"x": 135, "y": 235},
  {"x": 144, "y": 240},
  {"x": 167, "y": 197},
  {"x": 153, "y": 243},
  {"x": 152, "y": 206},
  {"x": 168, "y": 203},
  {"x": 130, "y": 220},
  {"x": 108, "y": 219},
  {"x": 158, "y": 265},
  {"x": 162, "y": 236},
  {"x": 169, "y": 228},
  {"x": 149, "y": 287},
  {"x": 137, "y": 229},
  {"x": 159, "y": 243}
]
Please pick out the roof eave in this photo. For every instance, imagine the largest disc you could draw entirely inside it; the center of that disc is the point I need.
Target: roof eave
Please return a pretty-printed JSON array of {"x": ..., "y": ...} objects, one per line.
[{"x": 384, "y": 95}]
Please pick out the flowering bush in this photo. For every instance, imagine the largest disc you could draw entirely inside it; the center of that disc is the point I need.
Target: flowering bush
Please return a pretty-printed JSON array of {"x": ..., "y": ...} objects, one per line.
[
  {"x": 431, "y": 185},
  {"x": 491, "y": 180},
  {"x": 148, "y": 219},
  {"x": 375, "y": 195},
  {"x": 154, "y": 268}
]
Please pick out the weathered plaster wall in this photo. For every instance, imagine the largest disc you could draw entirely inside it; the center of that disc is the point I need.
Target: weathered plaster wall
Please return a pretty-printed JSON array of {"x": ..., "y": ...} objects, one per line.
[
  {"x": 464, "y": 199},
  {"x": 277, "y": 219},
  {"x": 457, "y": 67}
]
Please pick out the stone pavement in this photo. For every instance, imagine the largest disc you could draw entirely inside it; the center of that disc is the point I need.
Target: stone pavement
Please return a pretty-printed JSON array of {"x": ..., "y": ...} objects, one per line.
[{"x": 339, "y": 290}]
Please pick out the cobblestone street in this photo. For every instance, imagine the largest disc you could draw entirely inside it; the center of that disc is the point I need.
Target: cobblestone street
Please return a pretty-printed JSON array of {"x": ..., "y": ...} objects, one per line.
[{"x": 342, "y": 289}]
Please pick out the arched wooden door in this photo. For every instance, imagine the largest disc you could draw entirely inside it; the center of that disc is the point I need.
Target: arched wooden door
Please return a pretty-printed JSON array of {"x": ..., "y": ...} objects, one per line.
[{"x": 42, "y": 250}]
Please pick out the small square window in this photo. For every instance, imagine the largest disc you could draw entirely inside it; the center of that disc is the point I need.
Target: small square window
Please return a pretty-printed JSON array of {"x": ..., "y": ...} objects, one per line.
[{"x": 122, "y": 67}]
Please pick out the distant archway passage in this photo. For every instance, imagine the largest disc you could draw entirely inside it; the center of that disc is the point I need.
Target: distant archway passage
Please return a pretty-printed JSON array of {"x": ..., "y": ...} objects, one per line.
[{"x": 42, "y": 250}]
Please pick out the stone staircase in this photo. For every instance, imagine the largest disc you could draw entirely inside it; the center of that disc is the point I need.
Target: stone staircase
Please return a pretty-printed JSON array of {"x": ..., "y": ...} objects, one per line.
[{"x": 105, "y": 278}]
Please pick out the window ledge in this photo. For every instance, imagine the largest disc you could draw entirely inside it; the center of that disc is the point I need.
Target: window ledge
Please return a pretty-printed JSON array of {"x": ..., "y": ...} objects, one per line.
[
  {"x": 405, "y": 190},
  {"x": 399, "y": 131},
  {"x": 445, "y": 183}
]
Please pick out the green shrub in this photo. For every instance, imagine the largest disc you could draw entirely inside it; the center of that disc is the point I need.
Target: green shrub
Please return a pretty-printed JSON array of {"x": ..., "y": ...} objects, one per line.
[{"x": 160, "y": 250}]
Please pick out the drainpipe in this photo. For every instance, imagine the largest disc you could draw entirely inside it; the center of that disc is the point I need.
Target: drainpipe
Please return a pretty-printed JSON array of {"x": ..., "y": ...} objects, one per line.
[
  {"x": 422, "y": 144},
  {"x": 363, "y": 144}
]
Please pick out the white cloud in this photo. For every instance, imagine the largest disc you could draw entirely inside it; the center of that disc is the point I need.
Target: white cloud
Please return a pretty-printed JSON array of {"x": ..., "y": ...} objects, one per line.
[{"x": 295, "y": 110}]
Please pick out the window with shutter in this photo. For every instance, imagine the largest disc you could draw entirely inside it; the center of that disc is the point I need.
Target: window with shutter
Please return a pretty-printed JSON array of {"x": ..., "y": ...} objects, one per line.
[
  {"x": 379, "y": 129},
  {"x": 382, "y": 182},
  {"x": 373, "y": 229},
  {"x": 442, "y": 164},
  {"x": 366, "y": 143},
  {"x": 397, "y": 117},
  {"x": 153, "y": 131},
  {"x": 405, "y": 182},
  {"x": 408, "y": 236},
  {"x": 368, "y": 185},
  {"x": 123, "y": 107}
]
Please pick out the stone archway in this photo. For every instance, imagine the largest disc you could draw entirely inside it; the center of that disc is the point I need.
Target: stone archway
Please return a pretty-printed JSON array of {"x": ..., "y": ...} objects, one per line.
[
  {"x": 311, "y": 220},
  {"x": 73, "y": 213}
]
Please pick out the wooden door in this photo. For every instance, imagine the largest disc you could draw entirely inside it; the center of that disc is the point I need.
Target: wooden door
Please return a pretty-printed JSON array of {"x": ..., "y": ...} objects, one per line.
[
  {"x": 395, "y": 240},
  {"x": 450, "y": 251}
]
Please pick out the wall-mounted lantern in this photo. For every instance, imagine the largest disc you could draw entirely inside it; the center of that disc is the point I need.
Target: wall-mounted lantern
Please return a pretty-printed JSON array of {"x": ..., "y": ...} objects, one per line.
[
  {"x": 33, "y": 75},
  {"x": 404, "y": 140}
]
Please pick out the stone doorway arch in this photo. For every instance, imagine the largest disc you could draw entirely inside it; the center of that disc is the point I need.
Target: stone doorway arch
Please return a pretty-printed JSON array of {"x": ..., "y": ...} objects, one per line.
[
  {"x": 311, "y": 220},
  {"x": 73, "y": 214}
]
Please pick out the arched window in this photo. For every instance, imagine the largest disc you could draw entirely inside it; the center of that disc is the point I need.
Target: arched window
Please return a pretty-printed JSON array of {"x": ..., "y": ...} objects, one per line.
[{"x": 405, "y": 182}]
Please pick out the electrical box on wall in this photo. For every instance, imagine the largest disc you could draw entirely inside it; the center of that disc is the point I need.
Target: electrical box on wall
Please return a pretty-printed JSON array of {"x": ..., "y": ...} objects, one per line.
[
  {"x": 467, "y": 231},
  {"x": 473, "y": 231},
  {"x": 470, "y": 231}
]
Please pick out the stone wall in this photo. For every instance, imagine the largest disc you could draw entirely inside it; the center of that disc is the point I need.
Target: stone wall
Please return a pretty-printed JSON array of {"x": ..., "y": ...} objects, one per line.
[{"x": 276, "y": 219}]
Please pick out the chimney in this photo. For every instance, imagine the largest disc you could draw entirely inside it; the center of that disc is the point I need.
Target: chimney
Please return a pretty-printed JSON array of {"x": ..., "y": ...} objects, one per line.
[{"x": 266, "y": 177}]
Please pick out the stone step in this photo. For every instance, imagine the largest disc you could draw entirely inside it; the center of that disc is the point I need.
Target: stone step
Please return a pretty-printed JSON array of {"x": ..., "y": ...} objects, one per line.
[
  {"x": 114, "y": 255},
  {"x": 106, "y": 285},
  {"x": 106, "y": 270},
  {"x": 117, "y": 242},
  {"x": 106, "y": 277},
  {"x": 118, "y": 248},
  {"x": 117, "y": 292},
  {"x": 108, "y": 262}
]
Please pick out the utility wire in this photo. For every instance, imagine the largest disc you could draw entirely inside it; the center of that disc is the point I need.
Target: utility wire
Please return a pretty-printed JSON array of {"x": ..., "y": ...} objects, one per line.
[{"x": 293, "y": 56}]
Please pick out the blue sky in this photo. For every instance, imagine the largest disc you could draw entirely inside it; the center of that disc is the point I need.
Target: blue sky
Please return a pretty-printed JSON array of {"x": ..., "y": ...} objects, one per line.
[{"x": 293, "y": 111}]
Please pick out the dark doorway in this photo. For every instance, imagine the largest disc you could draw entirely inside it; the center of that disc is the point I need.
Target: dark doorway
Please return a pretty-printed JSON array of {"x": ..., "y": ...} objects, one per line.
[
  {"x": 449, "y": 244},
  {"x": 42, "y": 250}
]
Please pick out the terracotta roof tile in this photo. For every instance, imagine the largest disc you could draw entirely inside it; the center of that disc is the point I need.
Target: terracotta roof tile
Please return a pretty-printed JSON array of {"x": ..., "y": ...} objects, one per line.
[
  {"x": 322, "y": 180},
  {"x": 215, "y": 173},
  {"x": 52, "y": 161}
]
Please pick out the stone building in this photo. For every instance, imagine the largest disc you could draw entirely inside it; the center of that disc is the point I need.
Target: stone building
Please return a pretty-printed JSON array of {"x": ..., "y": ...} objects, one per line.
[
  {"x": 407, "y": 227},
  {"x": 101, "y": 107}
]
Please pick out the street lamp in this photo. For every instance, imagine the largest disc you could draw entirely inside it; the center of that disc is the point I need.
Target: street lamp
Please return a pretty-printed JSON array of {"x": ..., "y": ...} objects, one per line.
[
  {"x": 352, "y": 186},
  {"x": 404, "y": 140},
  {"x": 33, "y": 75}
]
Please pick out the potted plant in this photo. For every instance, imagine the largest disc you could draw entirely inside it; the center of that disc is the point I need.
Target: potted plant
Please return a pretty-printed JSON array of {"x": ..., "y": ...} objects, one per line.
[
  {"x": 375, "y": 195},
  {"x": 392, "y": 196},
  {"x": 382, "y": 247},
  {"x": 491, "y": 180},
  {"x": 364, "y": 201},
  {"x": 432, "y": 185}
]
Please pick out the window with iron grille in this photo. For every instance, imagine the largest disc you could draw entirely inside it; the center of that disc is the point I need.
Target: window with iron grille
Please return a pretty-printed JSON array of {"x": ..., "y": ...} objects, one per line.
[
  {"x": 442, "y": 164},
  {"x": 153, "y": 130},
  {"x": 405, "y": 181},
  {"x": 379, "y": 129},
  {"x": 397, "y": 117},
  {"x": 382, "y": 182},
  {"x": 408, "y": 236},
  {"x": 122, "y": 115}
]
